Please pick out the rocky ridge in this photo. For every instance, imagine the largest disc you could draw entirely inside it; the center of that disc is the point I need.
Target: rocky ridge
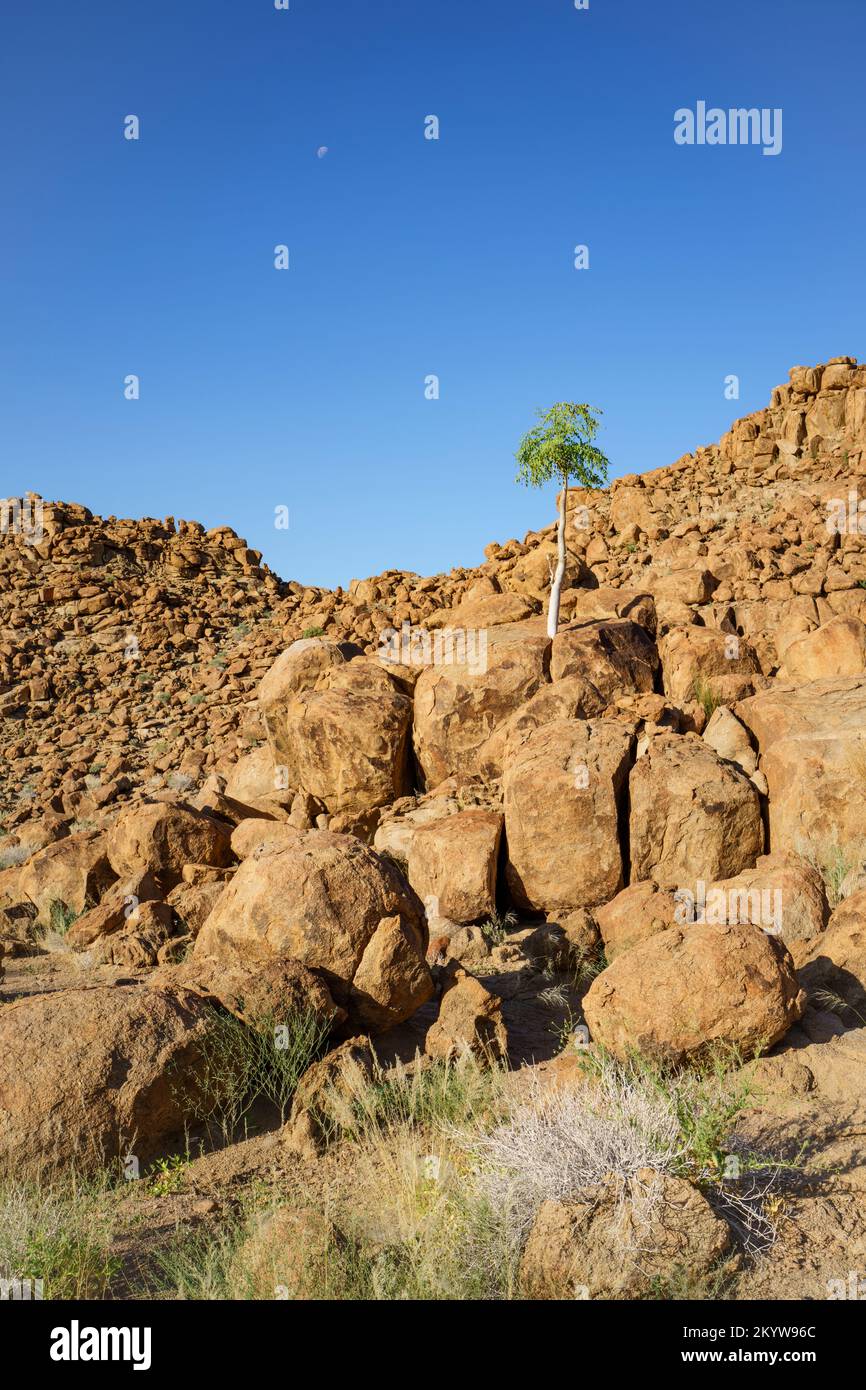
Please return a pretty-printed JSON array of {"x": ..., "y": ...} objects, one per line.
[{"x": 407, "y": 809}]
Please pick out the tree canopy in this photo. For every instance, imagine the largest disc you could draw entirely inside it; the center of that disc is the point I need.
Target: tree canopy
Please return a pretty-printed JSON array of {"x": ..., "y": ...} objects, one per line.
[{"x": 560, "y": 447}]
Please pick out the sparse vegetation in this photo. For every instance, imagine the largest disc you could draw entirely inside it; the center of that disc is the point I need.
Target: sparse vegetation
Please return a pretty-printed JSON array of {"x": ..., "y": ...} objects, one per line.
[
  {"x": 13, "y": 855},
  {"x": 58, "y": 1232},
  {"x": 61, "y": 917},
  {"x": 497, "y": 926},
  {"x": 242, "y": 1063},
  {"x": 167, "y": 1175},
  {"x": 706, "y": 696},
  {"x": 834, "y": 861}
]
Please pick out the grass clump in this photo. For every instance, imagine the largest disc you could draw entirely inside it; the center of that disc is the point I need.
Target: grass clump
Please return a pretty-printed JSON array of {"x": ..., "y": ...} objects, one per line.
[
  {"x": 497, "y": 926},
  {"x": 60, "y": 1233},
  {"x": 834, "y": 861},
  {"x": 11, "y": 856},
  {"x": 706, "y": 696},
  {"x": 242, "y": 1063}
]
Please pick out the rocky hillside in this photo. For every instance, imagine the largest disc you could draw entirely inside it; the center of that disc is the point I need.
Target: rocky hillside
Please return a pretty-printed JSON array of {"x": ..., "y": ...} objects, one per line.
[
  {"x": 130, "y": 651},
  {"x": 408, "y": 812}
]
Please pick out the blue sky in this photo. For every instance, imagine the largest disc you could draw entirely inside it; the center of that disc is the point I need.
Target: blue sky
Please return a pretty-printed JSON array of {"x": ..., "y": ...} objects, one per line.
[{"x": 408, "y": 257}]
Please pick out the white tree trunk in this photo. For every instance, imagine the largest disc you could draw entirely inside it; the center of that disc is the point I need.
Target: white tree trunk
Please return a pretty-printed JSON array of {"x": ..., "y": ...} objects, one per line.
[{"x": 559, "y": 573}]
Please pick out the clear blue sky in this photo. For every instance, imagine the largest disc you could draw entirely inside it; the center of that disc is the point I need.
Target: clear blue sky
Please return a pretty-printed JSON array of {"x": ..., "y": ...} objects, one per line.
[{"x": 408, "y": 257}]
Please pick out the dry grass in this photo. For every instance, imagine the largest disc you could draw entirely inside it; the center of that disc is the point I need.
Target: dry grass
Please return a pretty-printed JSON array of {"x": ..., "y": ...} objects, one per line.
[
  {"x": 833, "y": 860},
  {"x": 428, "y": 1191},
  {"x": 60, "y": 1233}
]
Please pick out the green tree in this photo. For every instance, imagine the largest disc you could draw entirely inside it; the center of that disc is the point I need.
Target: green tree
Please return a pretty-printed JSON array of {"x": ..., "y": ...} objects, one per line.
[{"x": 561, "y": 448}]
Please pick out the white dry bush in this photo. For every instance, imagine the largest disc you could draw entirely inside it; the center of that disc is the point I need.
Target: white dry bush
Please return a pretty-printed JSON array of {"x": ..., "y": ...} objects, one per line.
[
  {"x": 11, "y": 856},
  {"x": 562, "y": 1140},
  {"x": 629, "y": 1116}
]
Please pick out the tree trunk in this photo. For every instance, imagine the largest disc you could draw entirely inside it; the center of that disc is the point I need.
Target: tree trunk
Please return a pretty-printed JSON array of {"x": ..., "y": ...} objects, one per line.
[{"x": 559, "y": 574}]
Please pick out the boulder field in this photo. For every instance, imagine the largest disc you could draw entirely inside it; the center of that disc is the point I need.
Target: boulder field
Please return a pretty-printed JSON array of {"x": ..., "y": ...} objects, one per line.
[{"x": 401, "y": 802}]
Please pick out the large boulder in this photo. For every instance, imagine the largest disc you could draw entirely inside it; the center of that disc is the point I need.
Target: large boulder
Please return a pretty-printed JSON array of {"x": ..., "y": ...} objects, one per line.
[
  {"x": 622, "y": 1239},
  {"x": 689, "y": 586},
  {"x": 615, "y": 657},
  {"x": 337, "y": 907},
  {"x": 73, "y": 872},
  {"x": 812, "y": 746},
  {"x": 689, "y": 988},
  {"x": 398, "y": 824},
  {"x": 344, "y": 739},
  {"x": 453, "y": 862},
  {"x": 297, "y": 669},
  {"x": 729, "y": 738},
  {"x": 392, "y": 979},
  {"x": 457, "y": 707},
  {"x": 88, "y": 1075},
  {"x": 693, "y": 816},
  {"x": 606, "y": 604},
  {"x": 485, "y": 610},
  {"x": 159, "y": 838},
  {"x": 563, "y": 794},
  {"x": 836, "y": 649},
  {"x": 116, "y": 907},
  {"x": 695, "y": 658}
]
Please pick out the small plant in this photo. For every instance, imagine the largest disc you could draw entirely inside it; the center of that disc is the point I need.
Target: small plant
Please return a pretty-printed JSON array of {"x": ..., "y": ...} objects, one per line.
[
  {"x": 554, "y": 996},
  {"x": 834, "y": 862},
  {"x": 167, "y": 1175},
  {"x": 313, "y": 632},
  {"x": 706, "y": 696},
  {"x": 197, "y": 1265},
  {"x": 61, "y": 917},
  {"x": 829, "y": 999},
  {"x": 497, "y": 926},
  {"x": 447, "y": 1093},
  {"x": 564, "y": 1030},
  {"x": 14, "y": 855}
]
